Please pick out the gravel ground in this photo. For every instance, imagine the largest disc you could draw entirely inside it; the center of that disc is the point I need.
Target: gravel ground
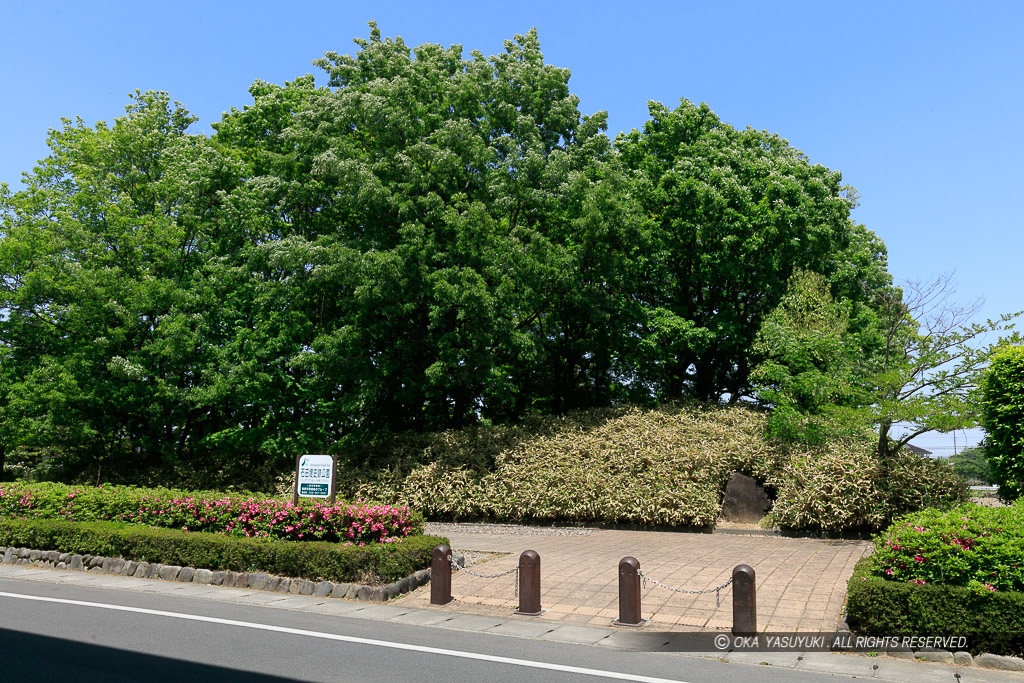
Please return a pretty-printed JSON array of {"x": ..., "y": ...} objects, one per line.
[{"x": 445, "y": 528}]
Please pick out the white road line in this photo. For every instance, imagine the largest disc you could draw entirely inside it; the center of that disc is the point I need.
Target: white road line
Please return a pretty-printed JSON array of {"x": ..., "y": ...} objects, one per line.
[{"x": 350, "y": 639}]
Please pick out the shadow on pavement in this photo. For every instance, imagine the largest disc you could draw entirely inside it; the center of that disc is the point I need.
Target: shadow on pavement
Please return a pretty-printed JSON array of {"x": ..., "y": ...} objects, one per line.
[{"x": 32, "y": 657}]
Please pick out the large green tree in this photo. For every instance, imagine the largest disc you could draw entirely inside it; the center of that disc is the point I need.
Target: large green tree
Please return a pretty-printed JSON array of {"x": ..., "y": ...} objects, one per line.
[
  {"x": 734, "y": 213},
  {"x": 446, "y": 231},
  {"x": 102, "y": 257}
]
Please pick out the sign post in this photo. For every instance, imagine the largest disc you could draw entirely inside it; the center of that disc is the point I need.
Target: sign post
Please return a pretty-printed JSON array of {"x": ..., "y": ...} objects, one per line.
[{"x": 315, "y": 477}]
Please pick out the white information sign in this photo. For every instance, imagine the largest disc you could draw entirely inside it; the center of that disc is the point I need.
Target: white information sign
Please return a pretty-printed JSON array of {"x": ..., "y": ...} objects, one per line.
[{"x": 315, "y": 476}]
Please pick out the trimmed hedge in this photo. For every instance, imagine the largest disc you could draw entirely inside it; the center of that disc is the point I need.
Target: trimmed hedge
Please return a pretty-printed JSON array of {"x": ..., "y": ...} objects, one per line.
[
  {"x": 991, "y": 622},
  {"x": 317, "y": 561},
  {"x": 213, "y": 511}
]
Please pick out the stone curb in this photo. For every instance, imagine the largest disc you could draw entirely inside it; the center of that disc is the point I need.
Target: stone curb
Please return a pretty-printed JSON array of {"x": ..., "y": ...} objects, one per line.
[
  {"x": 958, "y": 659},
  {"x": 55, "y": 559}
]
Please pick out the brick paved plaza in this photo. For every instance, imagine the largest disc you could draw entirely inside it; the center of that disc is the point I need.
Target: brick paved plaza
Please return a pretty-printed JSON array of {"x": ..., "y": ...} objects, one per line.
[{"x": 801, "y": 582}]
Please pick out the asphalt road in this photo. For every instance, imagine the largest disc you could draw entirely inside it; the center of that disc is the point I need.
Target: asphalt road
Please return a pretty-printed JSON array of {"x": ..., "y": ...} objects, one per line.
[{"x": 52, "y": 632}]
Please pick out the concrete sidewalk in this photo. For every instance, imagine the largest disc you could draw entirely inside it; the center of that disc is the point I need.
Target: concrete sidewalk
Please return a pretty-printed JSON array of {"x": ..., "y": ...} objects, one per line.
[{"x": 801, "y": 582}]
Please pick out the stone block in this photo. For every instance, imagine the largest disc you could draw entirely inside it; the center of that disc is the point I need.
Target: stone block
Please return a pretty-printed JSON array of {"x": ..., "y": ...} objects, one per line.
[
  {"x": 999, "y": 662},
  {"x": 745, "y": 501}
]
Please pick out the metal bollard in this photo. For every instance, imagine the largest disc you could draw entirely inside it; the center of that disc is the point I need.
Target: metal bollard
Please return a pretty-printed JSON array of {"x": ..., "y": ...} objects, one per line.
[
  {"x": 529, "y": 584},
  {"x": 744, "y": 601},
  {"x": 441, "y": 575},
  {"x": 629, "y": 593}
]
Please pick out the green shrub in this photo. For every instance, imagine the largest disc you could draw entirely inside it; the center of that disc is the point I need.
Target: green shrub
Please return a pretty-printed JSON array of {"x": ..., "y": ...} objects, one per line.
[
  {"x": 1003, "y": 419},
  {"x": 991, "y": 622},
  {"x": 973, "y": 466},
  {"x": 238, "y": 515},
  {"x": 667, "y": 466},
  {"x": 317, "y": 561},
  {"x": 973, "y": 546}
]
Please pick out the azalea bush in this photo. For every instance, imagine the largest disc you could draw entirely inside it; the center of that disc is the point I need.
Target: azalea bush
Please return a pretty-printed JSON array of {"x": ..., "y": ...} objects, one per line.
[
  {"x": 238, "y": 515},
  {"x": 981, "y": 548}
]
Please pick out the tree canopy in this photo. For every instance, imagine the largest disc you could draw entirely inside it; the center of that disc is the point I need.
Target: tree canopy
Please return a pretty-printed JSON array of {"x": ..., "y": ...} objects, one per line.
[{"x": 430, "y": 240}]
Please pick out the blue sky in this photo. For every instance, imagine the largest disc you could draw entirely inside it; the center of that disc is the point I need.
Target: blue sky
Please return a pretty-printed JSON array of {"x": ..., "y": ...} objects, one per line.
[{"x": 917, "y": 103}]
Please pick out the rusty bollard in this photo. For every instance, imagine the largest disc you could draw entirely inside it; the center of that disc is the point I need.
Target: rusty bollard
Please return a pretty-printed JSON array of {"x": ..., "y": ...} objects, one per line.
[
  {"x": 441, "y": 575},
  {"x": 744, "y": 601},
  {"x": 529, "y": 584},
  {"x": 629, "y": 593}
]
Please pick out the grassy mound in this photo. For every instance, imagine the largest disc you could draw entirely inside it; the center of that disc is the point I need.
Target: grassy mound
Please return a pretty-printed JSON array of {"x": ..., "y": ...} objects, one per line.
[{"x": 666, "y": 466}]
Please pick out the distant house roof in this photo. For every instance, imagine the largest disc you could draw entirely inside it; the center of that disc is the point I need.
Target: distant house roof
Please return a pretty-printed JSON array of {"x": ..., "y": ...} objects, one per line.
[{"x": 916, "y": 449}]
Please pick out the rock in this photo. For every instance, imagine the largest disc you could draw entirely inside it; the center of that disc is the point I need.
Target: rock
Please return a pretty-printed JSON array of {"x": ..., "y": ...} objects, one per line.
[
  {"x": 107, "y": 564},
  {"x": 745, "y": 501},
  {"x": 323, "y": 589},
  {"x": 275, "y": 581},
  {"x": 391, "y": 590},
  {"x": 218, "y": 578},
  {"x": 963, "y": 658},
  {"x": 169, "y": 572},
  {"x": 23, "y": 553},
  {"x": 203, "y": 576},
  {"x": 129, "y": 568},
  {"x": 405, "y": 585},
  {"x": 999, "y": 662},
  {"x": 929, "y": 655},
  {"x": 294, "y": 588},
  {"x": 353, "y": 592},
  {"x": 241, "y": 579},
  {"x": 364, "y": 593},
  {"x": 378, "y": 595},
  {"x": 258, "y": 581},
  {"x": 186, "y": 574},
  {"x": 284, "y": 587},
  {"x": 117, "y": 565},
  {"x": 340, "y": 589},
  {"x": 96, "y": 570},
  {"x": 142, "y": 570},
  {"x": 52, "y": 556},
  {"x": 423, "y": 577},
  {"x": 64, "y": 557},
  {"x": 460, "y": 559},
  {"x": 229, "y": 579},
  {"x": 77, "y": 563},
  {"x": 9, "y": 556},
  {"x": 305, "y": 587},
  {"x": 96, "y": 561},
  {"x": 61, "y": 565}
]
